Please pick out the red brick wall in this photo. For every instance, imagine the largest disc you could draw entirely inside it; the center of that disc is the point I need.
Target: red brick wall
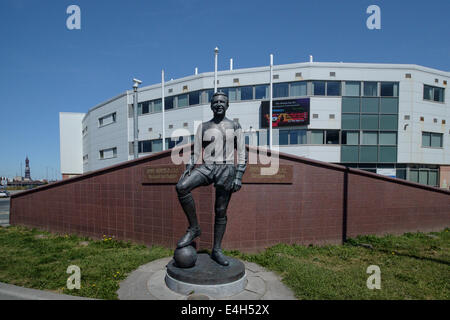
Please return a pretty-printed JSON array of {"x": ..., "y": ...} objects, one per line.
[{"x": 114, "y": 202}]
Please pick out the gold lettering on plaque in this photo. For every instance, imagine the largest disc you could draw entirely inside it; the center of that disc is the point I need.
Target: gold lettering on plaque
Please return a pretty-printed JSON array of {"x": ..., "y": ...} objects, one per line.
[
  {"x": 162, "y": 174},
  {"x": 283, "y": 175}
]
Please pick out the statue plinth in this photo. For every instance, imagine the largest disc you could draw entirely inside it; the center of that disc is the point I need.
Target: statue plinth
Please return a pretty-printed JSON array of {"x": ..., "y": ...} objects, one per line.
[{"x": 207, "y": 277}]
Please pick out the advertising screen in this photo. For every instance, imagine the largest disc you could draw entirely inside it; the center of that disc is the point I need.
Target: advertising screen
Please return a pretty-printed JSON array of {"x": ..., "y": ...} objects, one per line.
[{"x": 292, "y": 112}]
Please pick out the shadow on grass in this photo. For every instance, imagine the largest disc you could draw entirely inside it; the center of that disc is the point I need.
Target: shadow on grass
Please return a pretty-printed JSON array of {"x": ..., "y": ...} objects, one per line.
[{"x": 354, "y": 243}]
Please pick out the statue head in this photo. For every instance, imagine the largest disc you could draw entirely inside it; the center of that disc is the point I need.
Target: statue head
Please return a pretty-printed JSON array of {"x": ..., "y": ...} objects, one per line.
[{"x": 219, "y": 103}]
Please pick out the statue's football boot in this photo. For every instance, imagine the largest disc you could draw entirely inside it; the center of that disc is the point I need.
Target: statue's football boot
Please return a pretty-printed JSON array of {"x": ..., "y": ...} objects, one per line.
[{"x": 190, "y": 235}]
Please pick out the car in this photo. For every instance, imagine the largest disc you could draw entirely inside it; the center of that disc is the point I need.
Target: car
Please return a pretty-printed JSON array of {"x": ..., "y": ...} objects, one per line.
[{"x": 4, "y": 194}]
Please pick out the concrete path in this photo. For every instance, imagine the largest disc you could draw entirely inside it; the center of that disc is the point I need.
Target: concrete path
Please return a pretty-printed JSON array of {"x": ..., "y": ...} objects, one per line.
[
  {"x": 10, "y": 292},
  {"x": 147, "y": 283}
]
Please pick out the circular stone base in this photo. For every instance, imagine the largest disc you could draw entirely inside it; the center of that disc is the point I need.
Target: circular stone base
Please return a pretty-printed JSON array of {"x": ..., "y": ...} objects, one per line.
[{"x": 207, "y": 277}]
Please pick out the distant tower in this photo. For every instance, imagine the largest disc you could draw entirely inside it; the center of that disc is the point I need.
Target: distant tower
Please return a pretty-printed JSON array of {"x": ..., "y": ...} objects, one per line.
[{"x": 27, "y": 169}]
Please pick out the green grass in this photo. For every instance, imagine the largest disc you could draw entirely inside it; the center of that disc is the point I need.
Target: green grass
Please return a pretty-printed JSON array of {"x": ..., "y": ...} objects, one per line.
[
  {"x": 413, "y": 266},
  {"x": 38, "y": 259}
]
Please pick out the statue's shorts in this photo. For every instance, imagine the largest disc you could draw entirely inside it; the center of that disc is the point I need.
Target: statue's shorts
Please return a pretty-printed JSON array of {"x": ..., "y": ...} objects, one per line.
[{"x": 222, "y": 175}]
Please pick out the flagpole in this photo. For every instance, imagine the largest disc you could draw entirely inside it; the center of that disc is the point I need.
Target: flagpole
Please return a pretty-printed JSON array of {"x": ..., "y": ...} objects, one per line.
[
  {"x": 163, "y": 112},
  {"x": 216, "y": 52},
  {"x": 271, "y": 99}
]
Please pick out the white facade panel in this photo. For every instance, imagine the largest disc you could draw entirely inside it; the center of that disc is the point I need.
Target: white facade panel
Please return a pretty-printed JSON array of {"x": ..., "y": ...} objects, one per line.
[{"x": 71, "y": 145}]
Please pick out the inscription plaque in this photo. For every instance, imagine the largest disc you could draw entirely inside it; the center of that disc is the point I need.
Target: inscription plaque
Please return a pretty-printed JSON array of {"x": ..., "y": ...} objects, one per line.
[
  {"x": 253, "y": 174},
  {"x": 162, "y": 174},
  {"x": 170, "y": 174}
]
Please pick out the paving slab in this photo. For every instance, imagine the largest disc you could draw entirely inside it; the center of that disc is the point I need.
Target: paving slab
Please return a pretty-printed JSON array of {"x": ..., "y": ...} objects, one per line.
[{"x": 11, "y": 292}]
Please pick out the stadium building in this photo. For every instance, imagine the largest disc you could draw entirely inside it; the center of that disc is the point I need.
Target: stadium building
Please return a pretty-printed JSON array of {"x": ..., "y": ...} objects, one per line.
[{"x": 391, "y": 119}]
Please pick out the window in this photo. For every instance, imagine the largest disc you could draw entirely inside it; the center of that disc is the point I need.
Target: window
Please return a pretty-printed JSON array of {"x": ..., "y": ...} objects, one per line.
[
  {"x": 157, "y": 145},
  {"x": 145, "y": 146},
  {"x": 369, "y": 105},
  {"x": 194, "y": 98},
  {"x": 182, "y": 100},
  {"x": 317, "y": 137},
  {"x": 352, "y": 88},
  {"x": 388, "y": 138},
  {"x": 283, "y": 137},
  {"x": 280, "y": 90},
  {"x": 388, "y": 122},
  {"x": 224, "y": 90},
  {"x": 433, "y": 93},
  {"x": 261, "y": 92},
  {"x": 350, "y": 137},
  {"x": 370, "y": 137},
  {"x": 85, "y": 158},
  {"x": 432, "y": 140},
  {"x": 388, "y": 154},
  {"x": 232, "y": 94},
  {"x": 350, "y": 121},
  {"x": 389, "y": 89},
  {"x": 332, "y": 137},
  {"x": 436, "y": 140},
  {"x": 350, "y": 105},
  {"x": 298, "y": 89},
  {"x": 318, "y": 88},
  {"x": 370, "y": 89},
  {"x": 432, "y": 178},
  {"x": 157, "y": 105},
  {"x": 208, "y": 95},
  {"x": 414, "y": 175},
  {"x": 108, "y": 153},
  {"x": 247, "y": 93},
  {"x": 389, "y": 105},
  {"x": 84, "y": 132},
  {"x": 144, "y": 107},
  {"x": 423, "y": 177},
  {"x": 108, "y": 119},
  {"x": 428, "y": 92},
  {"x": 297, "y": 137},
  {"x": 369, "y": 121},
  {"x": 333, "y": 88},
  {"x": 350, "y": 154},
  {"x": 168, "y": 103},
  {"x": 368, "y": 154}
]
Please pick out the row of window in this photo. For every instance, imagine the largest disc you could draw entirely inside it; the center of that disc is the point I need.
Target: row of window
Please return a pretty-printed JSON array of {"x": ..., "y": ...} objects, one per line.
[
  {"x": 369, "y": 138},
  {"x": 294, "y": 137},
  {"x": 370, "y": 105},
  {"x": 424, "y": 174},
  {"x": 369, "y": 122},
  {"x": 386, "y": 154},
  {"x": 280, "y": 90},
  {"x": 155, "y": 145},
  {"x": 428, "y": 177},
  {"x": 363, "y": 153},
  {"x": 357, "y": 146}
]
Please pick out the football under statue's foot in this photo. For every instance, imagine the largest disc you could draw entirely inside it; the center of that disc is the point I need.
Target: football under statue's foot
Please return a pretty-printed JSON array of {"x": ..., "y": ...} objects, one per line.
[
  {"x": 219, "y": 257},
  {"x": 190, "y": 235}
]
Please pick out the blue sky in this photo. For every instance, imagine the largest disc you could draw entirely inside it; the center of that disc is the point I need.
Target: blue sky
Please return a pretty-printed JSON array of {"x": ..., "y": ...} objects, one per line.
[{"x": 46, "y": 68}]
